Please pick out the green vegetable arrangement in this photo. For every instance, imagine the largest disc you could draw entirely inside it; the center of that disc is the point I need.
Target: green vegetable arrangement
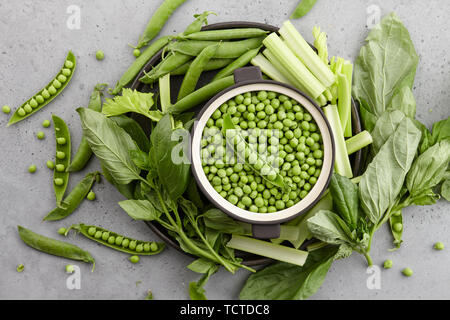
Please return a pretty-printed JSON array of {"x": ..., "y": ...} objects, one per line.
[{"x": 404, "y": 164}]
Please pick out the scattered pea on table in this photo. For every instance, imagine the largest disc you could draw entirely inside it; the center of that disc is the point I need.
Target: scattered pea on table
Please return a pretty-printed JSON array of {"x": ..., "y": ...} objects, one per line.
[
  {"x": 407, "y": 272},
  {"x": 134, "y": 259},
  {"x": 40, "y": 135},
  {"x": 32, "y": 168},
  {"x": 62, "y": 231},
  {"x": 6, "y": 109},
  {"x": 100, "y": 55},
  {"x": 46, "y": 123},
  {"x": 136, "y": 53},
  {"x": 20, "y": 268},
  {"x": 388, "y": 264},
  {"x": 91, "y": 196},
  {"x": 439, "y": 246}
]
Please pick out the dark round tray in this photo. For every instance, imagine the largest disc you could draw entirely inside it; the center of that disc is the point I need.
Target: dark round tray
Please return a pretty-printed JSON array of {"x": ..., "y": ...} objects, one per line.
[{"x": 248, "y": 259}]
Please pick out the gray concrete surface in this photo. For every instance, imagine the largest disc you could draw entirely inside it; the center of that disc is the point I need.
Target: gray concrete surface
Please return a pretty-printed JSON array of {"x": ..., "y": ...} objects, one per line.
[{"x": 33, "y": 41}]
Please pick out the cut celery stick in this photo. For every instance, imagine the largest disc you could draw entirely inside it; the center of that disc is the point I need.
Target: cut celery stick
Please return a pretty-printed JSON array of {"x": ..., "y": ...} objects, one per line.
[
  {"x": 306, "y": 54},
  {"x": 361, "y": 140},
  {"x": 294, "y": 66},
  {"x": 347, "y": 70},
  {"x": 269, "y": 69},
  {"x": 342, "y": 165},
  {"x": 164, "y": 92},
  {"x": 344, "y": 100},
  {"x": 277, "y": 64},
  {"x": 320, "y": 43},
  {"x": 269, "y": 250},
  {"x": 289, "y": 233}
]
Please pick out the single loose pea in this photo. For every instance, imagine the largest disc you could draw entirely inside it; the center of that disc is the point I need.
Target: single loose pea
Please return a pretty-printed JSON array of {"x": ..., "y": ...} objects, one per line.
[
  {"x": 62, "y": 231},
  {"x": 91, "y": 196},
  {"x": 50, "y": 164},
  {"x": 70, "y": 268},
  {"x": 20, "y": 268},
  {"x": 32, "y": 168},
  {"x": 407, "y": 272},
  {"x": 60, "y": 155},
  {"x": 100, "y": 55},
  {"x": 6, "y": 109},
  {"x": 40, "y": 135},
  {"x": 61, "y": 141},
  {"x": 134, "y": 259},
  {"x": 439, "y": 246},
  {"x": 136, "y": 53},
  {"x": 46, "y": 123},
  {"x": 388, "y": 264}
]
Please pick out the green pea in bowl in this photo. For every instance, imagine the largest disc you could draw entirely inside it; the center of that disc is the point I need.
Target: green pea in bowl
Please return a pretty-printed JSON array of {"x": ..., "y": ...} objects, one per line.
[{"x": 262, "y": 184}]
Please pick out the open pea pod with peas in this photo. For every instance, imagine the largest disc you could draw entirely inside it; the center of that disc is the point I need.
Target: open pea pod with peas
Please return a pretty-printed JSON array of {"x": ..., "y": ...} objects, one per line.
[
  {"x": 63, "y": 149},
  {"x": 118, "y": 242},
  {"x": 46, "y": 95}
]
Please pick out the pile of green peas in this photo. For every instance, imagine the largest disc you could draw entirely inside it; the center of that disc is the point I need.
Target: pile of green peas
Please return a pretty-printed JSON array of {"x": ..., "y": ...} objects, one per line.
[{"x": 282, "y": 132}]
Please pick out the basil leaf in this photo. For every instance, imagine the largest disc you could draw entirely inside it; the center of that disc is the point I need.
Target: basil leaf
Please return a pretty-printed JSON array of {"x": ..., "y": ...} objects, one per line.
[
  {"x": 385, "y": 127},
  {"x": 196, "y": 289},
  {"x": 429, "y": 168},
  {"x": 201, "y": 266},
  {"x": 127, "y": 190},
  {"x": 283, "y": 281},
  {"x": 134, "y": 130},
  {"x": 217, "y": 220},
  {"x": 111, "y": 144},
  {"x": 345, "y": 199},
  {"x": 445, "y": 190},
  {"x": 173, "y": 176},
  {"x": 140, "y": 159},
  {"x": 427, "y": 140},
  {"x": 385, "y": 65},
  {"x": 405, "y": 102},
  {"x": 441, "y": 130},
  {"x": 328, "y": 227},
  {"x": 140, "y": 210},
  {"x": 385, "y": 175}
]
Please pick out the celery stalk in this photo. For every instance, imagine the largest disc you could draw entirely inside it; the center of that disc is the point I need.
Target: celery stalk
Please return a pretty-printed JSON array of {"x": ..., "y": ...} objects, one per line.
[
  {"x": 267, "y": 249},
  {"x": 294, "y": 66},
  {"x": 164, "y": 92},
  {"x": 347, "y": 70},
  {"x": 342, "y": 165},
  {"x": 361, "y": 140},
  {"x": 344, "y": 100},
  {"x": 277, "y": 64},
  {"x": 320, "y": 43},
  {"x": 269, "y": 69},
  {"x": 306, "y": 54}
]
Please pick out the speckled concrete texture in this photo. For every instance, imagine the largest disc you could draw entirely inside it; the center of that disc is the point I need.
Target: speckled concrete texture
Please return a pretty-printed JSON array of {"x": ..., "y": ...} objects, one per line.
[{"x": 34, "y": 40}]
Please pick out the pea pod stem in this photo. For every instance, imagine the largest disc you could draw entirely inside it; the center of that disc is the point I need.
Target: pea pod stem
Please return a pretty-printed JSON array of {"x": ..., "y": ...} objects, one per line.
[{"x": 171, "y": 62}]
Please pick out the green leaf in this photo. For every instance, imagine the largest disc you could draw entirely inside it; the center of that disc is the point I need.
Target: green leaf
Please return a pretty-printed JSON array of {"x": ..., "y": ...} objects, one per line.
[
  {"x": 217, "y": 220},
  {"x": 426, "y": 140},
  {"x": 404, "y": 101},
  {"x": 385, "y": 175},
  {"x": 445, "y": 190},
  {"x": 428, "y": 169},
  {"x": 140, "y": 210},
  {"x": 134, "y": 130},
  {"x": 172, "y": 170},
  {"x": 196, "y": 289},
  {"x": 386, "y": 64},
  {"x": 131, "y": 101},
  {"x": 425, "y": 198},
  {"x": 140, "y": 159},
  {"x": 441, "y": 131},
  {"x": 328, "y": 227},
  {"x": 201, "y": 266},
  {"x": 385, "y": 127},
  {"x": 283, "y": 281},
  {"x": 345, "y": 199},
  {"x": 111, "y": 144}
]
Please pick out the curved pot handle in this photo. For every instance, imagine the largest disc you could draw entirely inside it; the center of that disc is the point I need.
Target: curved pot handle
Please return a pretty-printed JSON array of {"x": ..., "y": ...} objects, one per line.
[
  {"x": 266, "y": 231},
  {"x": 247, "y": 74}
]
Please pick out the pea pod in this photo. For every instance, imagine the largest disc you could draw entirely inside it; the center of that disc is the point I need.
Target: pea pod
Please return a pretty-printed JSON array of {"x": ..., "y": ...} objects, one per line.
[
  {"x": 201, "y": 95},
  {"x": 240, "y": 62},
  {"x": 396, "y": 219},
  {"x": 118, "y": 242},
  {"x": 171, "y": 62},
  {"x": 62, "y": 161},
  {"x": 231, "y": 49},
  {"x": 84, "y": 151},
  {"x": 195, "y": 70},
  {"x": 54, "y": 247},
  {"x": 225, "y": 34},
  {"x": 196, "y": 26},
  {"x": 73, "y": 200},
  {"x": 46, "y": 95},
  {"x": 213, "y": 64},
  {"x": 272, "y": 176}
]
